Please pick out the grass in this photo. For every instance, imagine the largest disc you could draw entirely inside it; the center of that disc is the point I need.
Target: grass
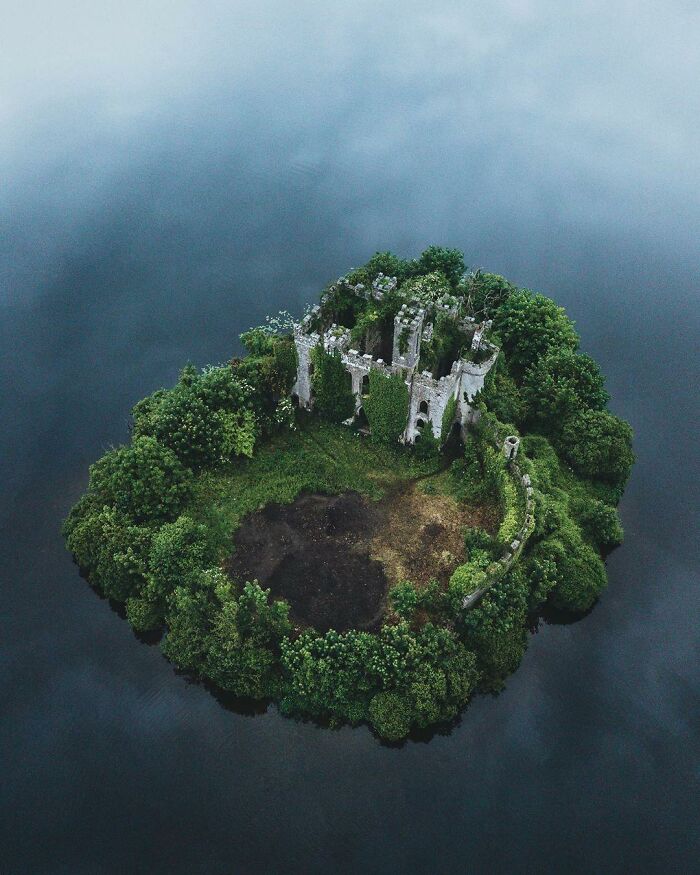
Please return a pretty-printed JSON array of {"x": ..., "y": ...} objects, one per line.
[{"x": 317, "y": 457}]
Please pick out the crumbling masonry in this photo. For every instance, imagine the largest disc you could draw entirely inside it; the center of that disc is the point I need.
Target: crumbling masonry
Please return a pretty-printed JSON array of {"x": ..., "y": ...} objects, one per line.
[{"x": 428, "y": 395}]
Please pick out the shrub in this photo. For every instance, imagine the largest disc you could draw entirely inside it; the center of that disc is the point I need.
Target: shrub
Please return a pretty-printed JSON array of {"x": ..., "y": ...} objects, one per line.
[
  {"x": 480, "y": 540},
  {"x": 600, "y": 523},
  {"x": 448, "y": 262},
  {"x": 109, "y": 548},
  {"x": 512, "y": 512},
  {"x": 427, "y": 288},
  {"x": 146, "y": 480},
  {"x": 530, "y": 326},
  {"x": 404, "y": 599},
  {"x": 598, "y": 444},
  {"x": 560, "y": 384},
  {"x": 332, "y": 386},
  {"x": 386, "y": 406},
  {"x": 390, "y": 714}
]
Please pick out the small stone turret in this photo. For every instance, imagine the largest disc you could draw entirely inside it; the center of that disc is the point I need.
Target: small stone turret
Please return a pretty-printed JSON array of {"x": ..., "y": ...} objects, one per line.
[
  {"x": 510, "y": 447},
  {"x": 408, "y": 327}
]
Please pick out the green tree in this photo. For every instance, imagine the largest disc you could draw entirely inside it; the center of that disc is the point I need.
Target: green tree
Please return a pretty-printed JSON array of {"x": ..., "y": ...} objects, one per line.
[
  {"x": 388, "y": 264},
  {"x": 561, "y": 384},
  {"x": 529, "y": 326},
  {"x": 600, "y": 523},
  {"x": 449, "y": 262},
  {"x": 495, "y": 629},
  {"x": 179, "y": 551},
  {"x": 146, "y": 481},
  {"x": 598, "y": 445},
  {"x": 107, "y": 546},
  {"x": 483, "y": 293},
  {"x": 390, "y": 714}
]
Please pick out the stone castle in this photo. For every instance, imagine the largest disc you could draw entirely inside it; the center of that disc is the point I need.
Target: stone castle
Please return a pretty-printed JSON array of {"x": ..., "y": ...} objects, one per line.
[{"x": 429, "y": 392}]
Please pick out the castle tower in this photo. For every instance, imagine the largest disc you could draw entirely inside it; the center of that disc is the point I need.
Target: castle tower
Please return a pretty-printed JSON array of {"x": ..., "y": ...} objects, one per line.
[{"x": 408, "y": 327}]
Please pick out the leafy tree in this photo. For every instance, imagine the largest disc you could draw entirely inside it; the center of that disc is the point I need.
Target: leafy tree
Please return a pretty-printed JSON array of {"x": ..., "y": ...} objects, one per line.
[
  {"x": 258, "y": 341},
  {"x": 484, "y": 293},
  {"x": 245, "y": 634},
  {"x": 205, "y": 419},
  {"x": 529, "y": 326},
  {"x": 109, "y": 548},
  {"x": 561, "y": 384},
  {"x": 179, "y": 550},
  {"x": 390, "y": 714},
  {"x": 579, "y": 577},
  {"x": 449, "y": 262},
  {"x": 388, "y": 264},
  {"x": 495, "y": 629},
  {"x": 386, "y": 406},
  {"x": 501, "y": 394},
  {"x": 146, "y": 481},
  {"x": 600, "y": 523},
  {"x": 332, "y": 386},
  {"x": 143, "y": 613},
  {"x": 404, "y": 599},
  {"x": 598, "y": 444}
]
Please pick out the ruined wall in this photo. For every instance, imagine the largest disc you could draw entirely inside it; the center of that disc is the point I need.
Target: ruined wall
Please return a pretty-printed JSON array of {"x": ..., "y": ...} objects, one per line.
[
  {"x": 428, "y": 397},
  {"x": 496, "y": 570}
]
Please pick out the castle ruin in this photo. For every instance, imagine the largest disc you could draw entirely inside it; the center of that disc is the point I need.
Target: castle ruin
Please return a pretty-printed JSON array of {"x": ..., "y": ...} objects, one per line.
[{"x": 399, "y": 352}]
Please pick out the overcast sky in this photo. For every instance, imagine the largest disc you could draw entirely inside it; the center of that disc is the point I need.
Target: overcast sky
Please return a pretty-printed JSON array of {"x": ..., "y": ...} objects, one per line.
[{"x": 588, "y": 108}]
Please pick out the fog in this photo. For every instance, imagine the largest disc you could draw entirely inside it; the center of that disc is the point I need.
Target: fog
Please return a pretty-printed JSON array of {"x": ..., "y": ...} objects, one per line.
[{"x": 172, "y": 172}]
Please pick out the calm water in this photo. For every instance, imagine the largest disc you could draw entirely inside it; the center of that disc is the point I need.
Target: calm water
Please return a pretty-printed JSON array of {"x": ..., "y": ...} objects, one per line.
[{"x": 167, "y": 182}]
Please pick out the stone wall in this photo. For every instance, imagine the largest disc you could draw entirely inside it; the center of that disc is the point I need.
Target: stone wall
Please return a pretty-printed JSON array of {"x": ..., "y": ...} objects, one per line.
[
  {"x": 428, "y": 396},
  {"x": 496, "y": 570}
]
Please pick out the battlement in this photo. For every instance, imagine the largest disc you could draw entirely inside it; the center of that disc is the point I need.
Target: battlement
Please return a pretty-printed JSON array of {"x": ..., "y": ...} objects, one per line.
[{"x": 429, "y": 395}]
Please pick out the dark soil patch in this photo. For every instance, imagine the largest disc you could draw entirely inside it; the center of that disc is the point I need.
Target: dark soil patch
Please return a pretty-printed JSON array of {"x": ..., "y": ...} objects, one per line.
[
  {"x": 315, "y": 554},
  {"x": 332, "y": 557}
]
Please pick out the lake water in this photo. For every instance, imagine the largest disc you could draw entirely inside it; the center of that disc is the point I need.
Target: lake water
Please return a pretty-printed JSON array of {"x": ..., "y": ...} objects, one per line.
[{"x": 166, "y": 183}]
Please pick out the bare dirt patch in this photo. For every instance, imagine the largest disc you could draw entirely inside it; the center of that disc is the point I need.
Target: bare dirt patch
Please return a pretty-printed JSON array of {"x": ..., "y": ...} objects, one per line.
[
  {"x": 333, "y": 557},
  {"x": 422, "y": 536}
]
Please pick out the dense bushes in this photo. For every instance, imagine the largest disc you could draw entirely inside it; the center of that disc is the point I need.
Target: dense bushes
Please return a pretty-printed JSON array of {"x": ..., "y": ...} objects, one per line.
[
  {"x": 530, "y": 326},
  {"x": 396, "y": 678},
  {"x": 146, "y": 481},
  {"x": 386, "y": 406},
  {"x": 598, "y": 444},
  {"x": 152, "y": 530},
  {"x": 205, "y": 419},
  {"x": 561, "y": 384}
]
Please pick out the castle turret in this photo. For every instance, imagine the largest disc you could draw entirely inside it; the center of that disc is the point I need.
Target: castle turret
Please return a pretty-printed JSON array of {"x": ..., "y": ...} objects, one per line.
[{"x": 408, "y": 327}]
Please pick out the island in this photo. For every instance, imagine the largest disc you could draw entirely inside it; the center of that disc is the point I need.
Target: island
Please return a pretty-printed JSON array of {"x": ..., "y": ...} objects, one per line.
[{"x": 361, "y": 518}]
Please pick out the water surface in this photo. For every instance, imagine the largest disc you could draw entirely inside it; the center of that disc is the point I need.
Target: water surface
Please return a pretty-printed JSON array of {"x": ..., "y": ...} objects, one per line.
[{"x": 172, "y": 173}]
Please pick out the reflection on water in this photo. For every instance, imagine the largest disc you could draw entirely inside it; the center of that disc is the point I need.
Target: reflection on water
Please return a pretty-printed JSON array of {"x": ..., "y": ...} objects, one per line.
[{"x": 168, "y": 191}]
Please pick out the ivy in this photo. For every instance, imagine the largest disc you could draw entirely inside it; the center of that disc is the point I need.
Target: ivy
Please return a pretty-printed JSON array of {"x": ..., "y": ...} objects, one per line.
[
  {"x": 386, "y": 406},
  {"x": 332, "y": 386}
]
